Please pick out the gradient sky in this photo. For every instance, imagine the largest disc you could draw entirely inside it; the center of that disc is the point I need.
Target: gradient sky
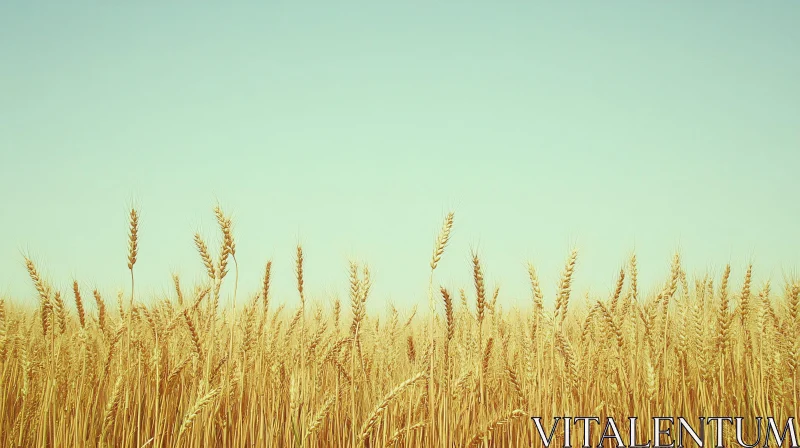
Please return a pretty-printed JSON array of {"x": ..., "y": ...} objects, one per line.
[{"x": 353, "y": 127}]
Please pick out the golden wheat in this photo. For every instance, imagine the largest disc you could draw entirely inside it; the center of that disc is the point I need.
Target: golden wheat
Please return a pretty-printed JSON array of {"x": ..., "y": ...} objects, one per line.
[{"x": 179, "y": 370}]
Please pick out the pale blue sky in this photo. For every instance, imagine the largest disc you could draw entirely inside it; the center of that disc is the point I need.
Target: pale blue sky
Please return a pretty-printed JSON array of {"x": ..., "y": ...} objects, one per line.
[{"x": 354, "y": 126}]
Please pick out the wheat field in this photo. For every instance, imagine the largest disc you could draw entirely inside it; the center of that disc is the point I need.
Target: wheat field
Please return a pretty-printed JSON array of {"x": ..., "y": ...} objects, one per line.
[{"x": 79, "y": 369}]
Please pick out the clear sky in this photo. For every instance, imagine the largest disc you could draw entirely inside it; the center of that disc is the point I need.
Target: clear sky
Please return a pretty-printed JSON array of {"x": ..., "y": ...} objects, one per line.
[{"x": 354, "y": 126}]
